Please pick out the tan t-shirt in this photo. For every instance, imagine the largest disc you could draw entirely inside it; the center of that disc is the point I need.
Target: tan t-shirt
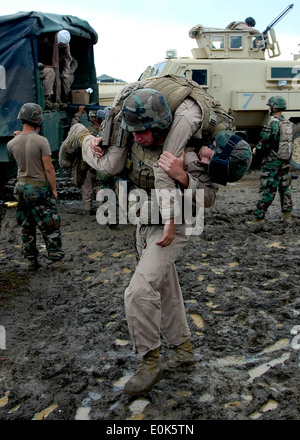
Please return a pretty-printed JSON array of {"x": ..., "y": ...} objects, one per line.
[{"x": 28, "y": 149}]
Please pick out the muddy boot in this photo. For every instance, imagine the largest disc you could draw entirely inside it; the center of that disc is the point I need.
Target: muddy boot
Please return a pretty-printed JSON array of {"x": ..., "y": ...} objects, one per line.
[
  {"x": 148, "y": 374},
  {"x": 32, "y": 265},
  {"x": 183, "y": 356},
  {"x": 255, "y": 221},
  {"x": 50, "y": 105},
  {"x": 71, "y": 144},
  {"x": 287, "y": 218},
  {"x": 62, "y": 105},
  {"x": 61, "y": 266}
]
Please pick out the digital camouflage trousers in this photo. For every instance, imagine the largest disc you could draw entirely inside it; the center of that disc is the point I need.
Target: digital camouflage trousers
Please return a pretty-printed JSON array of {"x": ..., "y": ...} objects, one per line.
[
  {"x": 271, "y": 181},
  {"x": 37, "y": 208}
]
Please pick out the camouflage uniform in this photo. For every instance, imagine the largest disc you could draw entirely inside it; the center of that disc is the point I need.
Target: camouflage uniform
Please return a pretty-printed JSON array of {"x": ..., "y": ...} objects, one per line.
[
  {"x": 37, "y": 208},
  {"x": 275, "y": 172},
  {"x": 37, "y": 205}
]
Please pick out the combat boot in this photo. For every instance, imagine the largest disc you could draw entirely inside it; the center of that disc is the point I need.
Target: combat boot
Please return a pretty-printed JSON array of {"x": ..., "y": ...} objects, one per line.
[
  {"x": 50, "y": 105},
  {"x": 62, "y": 105},
  {"x": 32, "y": 265},
  {"x": 61, "y": 266},
  {"x": 148, "y": 374},
  {"x": 255, "y": 221},
  {"x": 287, "y": 217},
  {"x": 71, "y": 144},
  {"x": 183, "y": 356}
]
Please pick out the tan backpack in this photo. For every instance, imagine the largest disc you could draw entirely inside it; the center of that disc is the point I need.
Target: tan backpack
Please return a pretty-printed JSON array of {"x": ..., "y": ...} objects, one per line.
[
  {"x": 286, "y": 141},
  {"x": 177, "y": 88}
]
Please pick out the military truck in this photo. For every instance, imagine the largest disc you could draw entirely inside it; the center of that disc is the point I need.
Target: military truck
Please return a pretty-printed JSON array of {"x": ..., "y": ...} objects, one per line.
[
  {"x": 20, "y": 76},
  {"x": 238, "y": 68}
]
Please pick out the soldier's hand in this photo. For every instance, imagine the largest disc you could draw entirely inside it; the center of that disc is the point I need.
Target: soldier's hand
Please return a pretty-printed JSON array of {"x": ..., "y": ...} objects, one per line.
[
  {"x": 171, "y": 164},
  {"x": 174, "y": 167},
  {"x": 168, "y": 234},
  {"x": 81, "y": 109},
  {"x": 54, "y": 192},
  {"x": 95, "y": 146}
]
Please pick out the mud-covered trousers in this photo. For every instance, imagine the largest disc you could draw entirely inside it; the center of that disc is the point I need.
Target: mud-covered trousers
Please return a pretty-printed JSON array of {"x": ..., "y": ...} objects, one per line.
[
  {"x": 272, "y": 179},
  {"x": 153, "y": 300},
  {"x": 37, "y": 208}
]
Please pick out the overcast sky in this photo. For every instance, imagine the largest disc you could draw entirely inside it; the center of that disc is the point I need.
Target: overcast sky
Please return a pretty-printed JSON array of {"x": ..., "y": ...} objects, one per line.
[{"x": 135, "y": 33}]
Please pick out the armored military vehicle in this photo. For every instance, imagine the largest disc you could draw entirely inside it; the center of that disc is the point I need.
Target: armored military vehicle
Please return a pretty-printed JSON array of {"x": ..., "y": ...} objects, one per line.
[
  {"x": 20, "y": 80},
  {"x": 238, "y": 68}
]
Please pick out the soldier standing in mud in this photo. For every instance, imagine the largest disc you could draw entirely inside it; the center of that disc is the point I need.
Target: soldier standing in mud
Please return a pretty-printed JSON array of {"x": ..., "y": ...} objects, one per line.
[
  {"x": 35, "y": 189},
  {"x": 275, "y": 170},
  {"x": 153, "y": 300},
  {"x": 90, "y": 179}
]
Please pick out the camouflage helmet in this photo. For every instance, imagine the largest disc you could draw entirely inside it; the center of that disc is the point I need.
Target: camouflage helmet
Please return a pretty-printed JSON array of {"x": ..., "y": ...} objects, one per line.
[
  {"x": 32, "y": 113},
  {"x": 145, "y": 109},
  {"x": 231, "y": 160},
  {"x": 277, "y": 103}
]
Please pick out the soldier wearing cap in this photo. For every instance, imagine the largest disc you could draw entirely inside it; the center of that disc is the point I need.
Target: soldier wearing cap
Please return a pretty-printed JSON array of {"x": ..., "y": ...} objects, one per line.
[
  {"x": 247, "y": 25},
  {"x": 35, "y": 189},
  {"x": 56, "y": 68},
  {"x": 153, "y": 300}
]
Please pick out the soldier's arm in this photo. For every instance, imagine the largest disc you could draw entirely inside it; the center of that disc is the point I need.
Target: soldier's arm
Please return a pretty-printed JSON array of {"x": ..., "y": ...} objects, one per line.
[
  {"x": 188, "y": 171},
  {"x": 50, "y": 174}
]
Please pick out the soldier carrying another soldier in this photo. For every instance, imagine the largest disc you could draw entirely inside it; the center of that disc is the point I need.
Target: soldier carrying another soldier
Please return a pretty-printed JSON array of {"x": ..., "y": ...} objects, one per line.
[{"x": 152, "y": 134}]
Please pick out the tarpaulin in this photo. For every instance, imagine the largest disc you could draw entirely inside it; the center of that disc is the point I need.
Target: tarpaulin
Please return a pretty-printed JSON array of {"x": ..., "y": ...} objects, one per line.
[{"x": 18, "y": 58}]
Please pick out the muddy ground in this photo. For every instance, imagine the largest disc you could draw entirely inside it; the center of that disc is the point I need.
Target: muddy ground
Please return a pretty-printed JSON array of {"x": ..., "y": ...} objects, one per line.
[{"x": 65, "y": 352}]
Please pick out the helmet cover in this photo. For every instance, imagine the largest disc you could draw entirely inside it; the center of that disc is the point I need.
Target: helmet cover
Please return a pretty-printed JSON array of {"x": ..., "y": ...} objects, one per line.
[
  {"x": 145, "y": 109},
  {"x": 32, "y": 113}
]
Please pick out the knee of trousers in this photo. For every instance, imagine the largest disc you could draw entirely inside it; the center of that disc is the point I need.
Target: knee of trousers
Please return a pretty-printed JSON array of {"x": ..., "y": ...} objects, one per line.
[{"x": 141, "y": 290}]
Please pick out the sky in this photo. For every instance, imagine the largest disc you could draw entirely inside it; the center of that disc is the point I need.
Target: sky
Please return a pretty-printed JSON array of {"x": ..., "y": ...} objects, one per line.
[{"x": 134, "y": 34}]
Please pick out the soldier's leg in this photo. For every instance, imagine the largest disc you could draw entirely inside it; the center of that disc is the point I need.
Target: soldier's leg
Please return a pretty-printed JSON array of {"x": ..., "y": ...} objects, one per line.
[
  {"x": 28, "y": 237},
  {"x": 88, "y": 191},
  {"x": 285, "y": 193},
  {"x": 174, "y": 327},
  {"x": 28, "y": 227},
  {"x": 67, "y": 152},
  {"x": 143, "y": 298},
  {"x": 268, "y": 188},
  {"x": 48, "y": 220}
]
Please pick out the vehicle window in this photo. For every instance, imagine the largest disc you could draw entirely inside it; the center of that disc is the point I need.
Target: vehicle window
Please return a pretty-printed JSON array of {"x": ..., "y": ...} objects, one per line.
[
  {"x": 236, "y": 42},
  {"x": 258, "y": 42},
  {"x": 217, "y": 42},
  {"x": 200, "y": 76},
  {"x": 283, "y": 72},
  {"x": 156, "y": 69}
]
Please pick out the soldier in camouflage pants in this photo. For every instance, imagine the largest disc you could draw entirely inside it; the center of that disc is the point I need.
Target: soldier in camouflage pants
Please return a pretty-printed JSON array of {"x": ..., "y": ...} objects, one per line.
[
  {"x": 35, "y": 189},
  {"x": 275, "y": 172},
  {"x": 37, "y": 208}
]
